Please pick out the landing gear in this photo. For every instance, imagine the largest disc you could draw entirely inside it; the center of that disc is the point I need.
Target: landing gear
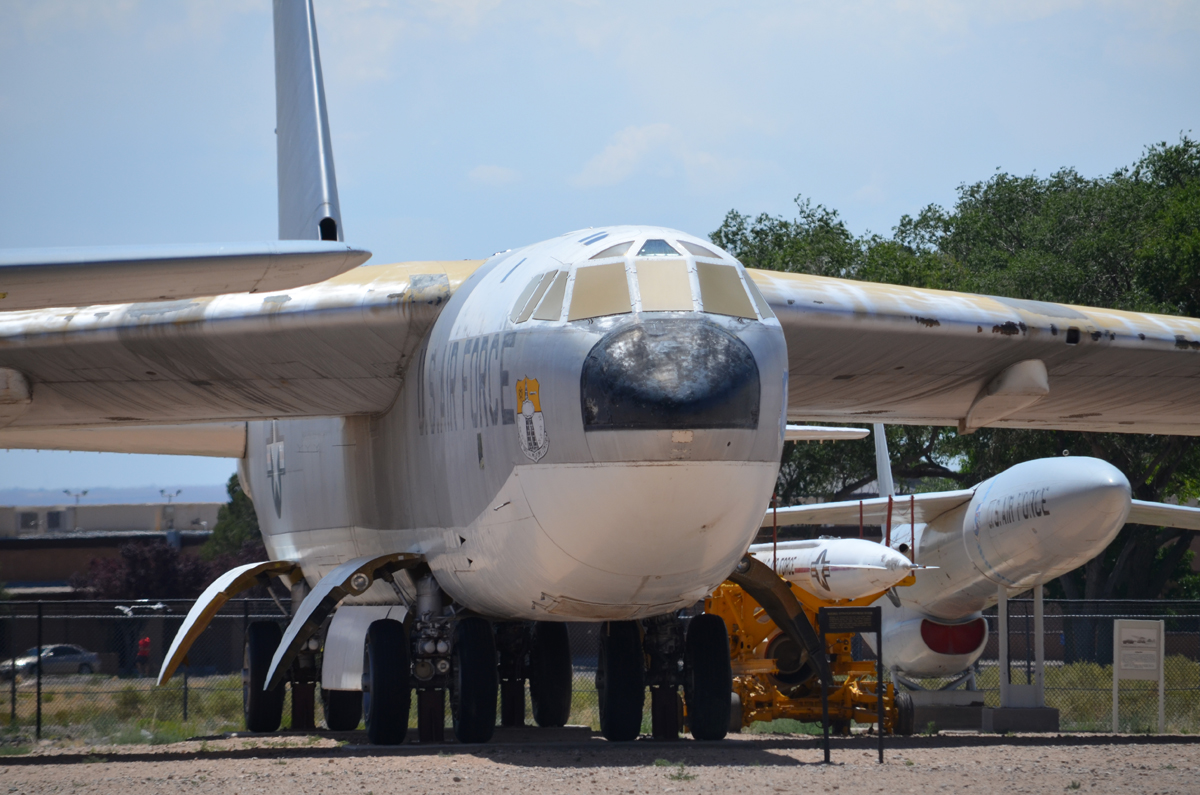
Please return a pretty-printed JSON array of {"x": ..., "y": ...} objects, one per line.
[
  {"x": 663, "y": 644},
  {"x": 263, "y": 708},
  {"x": 707, "y": 677},
  {"x": 512, "y": 643},
  {"x": 386, "y": 692},
  {"x": 343, "y": 709},
  {"x": 550, "y": 674},
  {"x": 905, "y": 714},
  {"x": 620, "y": 683},
  {"x": 473, "y": 683}
]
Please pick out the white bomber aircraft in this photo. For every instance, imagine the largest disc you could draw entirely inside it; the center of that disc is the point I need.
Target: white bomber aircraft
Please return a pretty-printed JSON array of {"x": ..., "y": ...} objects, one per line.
[
  {"x": 1024, "y": 527},
  {"x": 451, "y": 459}
]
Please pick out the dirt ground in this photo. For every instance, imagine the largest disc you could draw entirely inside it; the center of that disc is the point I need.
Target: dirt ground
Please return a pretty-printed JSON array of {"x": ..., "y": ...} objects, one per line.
[{"x": 581, "y": 764}]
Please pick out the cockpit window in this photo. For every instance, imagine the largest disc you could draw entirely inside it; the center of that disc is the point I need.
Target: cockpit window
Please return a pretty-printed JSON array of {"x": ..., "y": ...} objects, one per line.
[
  {"x": 721, "y": 291},
  {"x": 600, "y": 290},
  {"x": 530, "y": 297},
  {"x": 764, "y": 308},
  {"x": 614, "y": 251},
  {"x": 657, "y": 248},
  {"x": 664, "y": 285},
  {"x": 699, "y": 251},
  {"x": 551, "y": 308}
]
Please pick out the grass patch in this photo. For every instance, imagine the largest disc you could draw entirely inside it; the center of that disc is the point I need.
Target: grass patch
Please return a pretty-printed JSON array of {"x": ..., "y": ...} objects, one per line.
[{"x": 784, "y": 726}]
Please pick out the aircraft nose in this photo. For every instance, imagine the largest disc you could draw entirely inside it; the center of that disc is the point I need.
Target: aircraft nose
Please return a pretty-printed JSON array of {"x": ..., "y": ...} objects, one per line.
[
  {"x": 1096, "y": 494},
  {"x": 663, "y": 374}
]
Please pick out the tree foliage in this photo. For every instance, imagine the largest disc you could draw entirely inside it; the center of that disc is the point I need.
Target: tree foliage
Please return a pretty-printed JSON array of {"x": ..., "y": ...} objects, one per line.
[
  {"x": 1129, "y": 240},
  {"x": 237, "y": 526},
  {"x": 145, "y": 571}
]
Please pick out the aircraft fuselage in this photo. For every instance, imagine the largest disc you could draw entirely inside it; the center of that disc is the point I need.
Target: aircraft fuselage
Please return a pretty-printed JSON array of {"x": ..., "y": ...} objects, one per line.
[{"x": 579, "y": 438}]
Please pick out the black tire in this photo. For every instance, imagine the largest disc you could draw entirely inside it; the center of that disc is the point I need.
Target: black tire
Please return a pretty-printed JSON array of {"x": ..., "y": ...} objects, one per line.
[
  {"x": 550, "y": 674},
  {"x": 905, "y": 714},
  {"x": 620, "y": 681},
  {"x": 735, "y": 713},
  {"x": 263, "y": 709},
  {"x": 474, "y": 683},
  {"x": 387, "y": 697},
  {"x": 707, "y": 677},
  {"x": 343, "y": 709},
  {"x": 85, "y": 669}
]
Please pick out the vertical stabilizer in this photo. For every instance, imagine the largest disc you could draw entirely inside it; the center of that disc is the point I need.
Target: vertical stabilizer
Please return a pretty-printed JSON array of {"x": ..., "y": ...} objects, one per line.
[
  {"x": 883, "y": 462},
  {"x": 308, "y": 199}
]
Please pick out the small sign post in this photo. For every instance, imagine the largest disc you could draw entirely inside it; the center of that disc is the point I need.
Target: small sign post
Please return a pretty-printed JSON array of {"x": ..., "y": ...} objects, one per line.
[
  {"x": 1138, "y": 652},
  {"x": 841, "y": 620}
]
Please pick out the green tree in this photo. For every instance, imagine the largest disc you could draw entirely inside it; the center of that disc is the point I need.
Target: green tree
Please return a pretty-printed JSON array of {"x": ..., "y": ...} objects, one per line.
[
  {"x": 236, "y": 533},
  {"x": 1129, "y": 240}
]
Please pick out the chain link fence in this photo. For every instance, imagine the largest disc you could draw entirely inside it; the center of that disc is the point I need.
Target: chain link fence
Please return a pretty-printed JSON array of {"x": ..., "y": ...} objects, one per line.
[
  {"x": 108, "y": 695},
  {"x": 1078, "y": 636}
]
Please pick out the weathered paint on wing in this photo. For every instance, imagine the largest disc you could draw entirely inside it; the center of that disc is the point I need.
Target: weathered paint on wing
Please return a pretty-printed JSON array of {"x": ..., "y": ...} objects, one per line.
[
  {"x": 883, "y": 353},
  {"x": 340, "y": 347}
]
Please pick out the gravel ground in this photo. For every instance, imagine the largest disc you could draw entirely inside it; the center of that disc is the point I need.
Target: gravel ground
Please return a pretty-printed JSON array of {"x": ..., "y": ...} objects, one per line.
[{"x": 760, "y": 764}]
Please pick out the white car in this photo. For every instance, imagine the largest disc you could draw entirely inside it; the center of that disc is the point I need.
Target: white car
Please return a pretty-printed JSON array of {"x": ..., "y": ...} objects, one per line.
[{"x": 61, "y": 658}]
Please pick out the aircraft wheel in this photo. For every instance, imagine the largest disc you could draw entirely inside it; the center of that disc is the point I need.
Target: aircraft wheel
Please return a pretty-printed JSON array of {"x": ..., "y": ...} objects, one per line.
[
  {"x": 263, "y": 709},
  {"x": 343, "y": 709},
  {"x": 707, "y": 677},
  {"x": 386, "y": 692},
  {"x": 905, "y": 714},
  {"x": 473, "y": 683},
  {"x": 620, "y": 681},
  {"x": 735, "y": 713},
  {"x": 550, "y": 674}
]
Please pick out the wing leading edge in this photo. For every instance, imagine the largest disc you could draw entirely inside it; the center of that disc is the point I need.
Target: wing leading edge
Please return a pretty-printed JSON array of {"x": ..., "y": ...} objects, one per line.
[
  {"x": 868, "y": 352},
  {"x": 49, "y": 277},
  {"x": 336, "y": 348}
]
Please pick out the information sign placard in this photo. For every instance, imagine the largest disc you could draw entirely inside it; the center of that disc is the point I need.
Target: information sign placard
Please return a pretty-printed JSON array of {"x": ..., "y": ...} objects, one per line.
[{"x": 1138, "y": 653}]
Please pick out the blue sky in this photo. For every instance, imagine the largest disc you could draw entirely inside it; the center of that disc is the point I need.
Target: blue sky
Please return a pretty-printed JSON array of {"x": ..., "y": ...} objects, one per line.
[{"x": 465, "y": 127}]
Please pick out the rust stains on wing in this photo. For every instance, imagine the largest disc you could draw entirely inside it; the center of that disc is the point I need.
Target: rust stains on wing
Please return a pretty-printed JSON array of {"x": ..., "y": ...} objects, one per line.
[
  {"x": 1009, "y": 328},
  {"x": 928, "y": 322},
  {"x": 1183, "y": 343}
]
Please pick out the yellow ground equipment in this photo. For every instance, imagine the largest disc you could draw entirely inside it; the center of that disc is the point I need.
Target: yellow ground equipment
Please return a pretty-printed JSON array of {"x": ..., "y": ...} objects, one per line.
[{"x": 776, "y": 677}]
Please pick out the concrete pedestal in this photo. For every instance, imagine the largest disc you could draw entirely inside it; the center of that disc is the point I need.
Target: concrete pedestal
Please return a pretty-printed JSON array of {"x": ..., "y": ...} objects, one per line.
[
  {"x": 1020, "y": 719},
  {"x": 947, "y": 717}
]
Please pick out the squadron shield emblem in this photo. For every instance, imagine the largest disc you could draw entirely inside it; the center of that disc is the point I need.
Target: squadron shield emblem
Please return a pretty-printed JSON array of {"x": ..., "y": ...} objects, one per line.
[{"x": 531, "y": 426}]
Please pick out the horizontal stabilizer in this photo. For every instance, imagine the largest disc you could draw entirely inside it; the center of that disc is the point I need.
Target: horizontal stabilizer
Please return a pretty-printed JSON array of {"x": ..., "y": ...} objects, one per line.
[
  {"x": 84, "y": 276},
  {"x": 1160, "y": 514},
  {"x": 821, "y": 433},
  {"x": 926, "y": 508},
  {"x": 216, "y": 439}
]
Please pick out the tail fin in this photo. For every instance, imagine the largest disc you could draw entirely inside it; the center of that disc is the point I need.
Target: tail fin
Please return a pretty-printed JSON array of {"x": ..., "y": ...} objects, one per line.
[
  {"x": 883, "y": 462},
  {"x": 308, "y": 199}
]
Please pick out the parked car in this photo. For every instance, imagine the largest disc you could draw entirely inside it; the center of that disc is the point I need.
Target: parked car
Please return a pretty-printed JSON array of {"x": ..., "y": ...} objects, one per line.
[{"x": 61, "y": 658}]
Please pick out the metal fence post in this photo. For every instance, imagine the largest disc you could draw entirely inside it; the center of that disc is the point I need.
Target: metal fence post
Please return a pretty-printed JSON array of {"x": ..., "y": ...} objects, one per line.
[
  {"x": 12, "y": 678},
  {"x": 38, "y": 731},
  {"x": 879, "y": 687},
  {"x": 185, "y": 693}
]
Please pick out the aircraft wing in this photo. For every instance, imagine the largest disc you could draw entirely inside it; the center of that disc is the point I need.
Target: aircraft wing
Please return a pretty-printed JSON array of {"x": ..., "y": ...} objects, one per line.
[
  {"x": 871, "y": 352},
  {"x": 925, "y": 507},
  {"x": 335, "y": 348},
  {"x": 46, "y": 277},
  {"x": 1161, "y": 514},
  {"x": 822, "y": 433}
]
